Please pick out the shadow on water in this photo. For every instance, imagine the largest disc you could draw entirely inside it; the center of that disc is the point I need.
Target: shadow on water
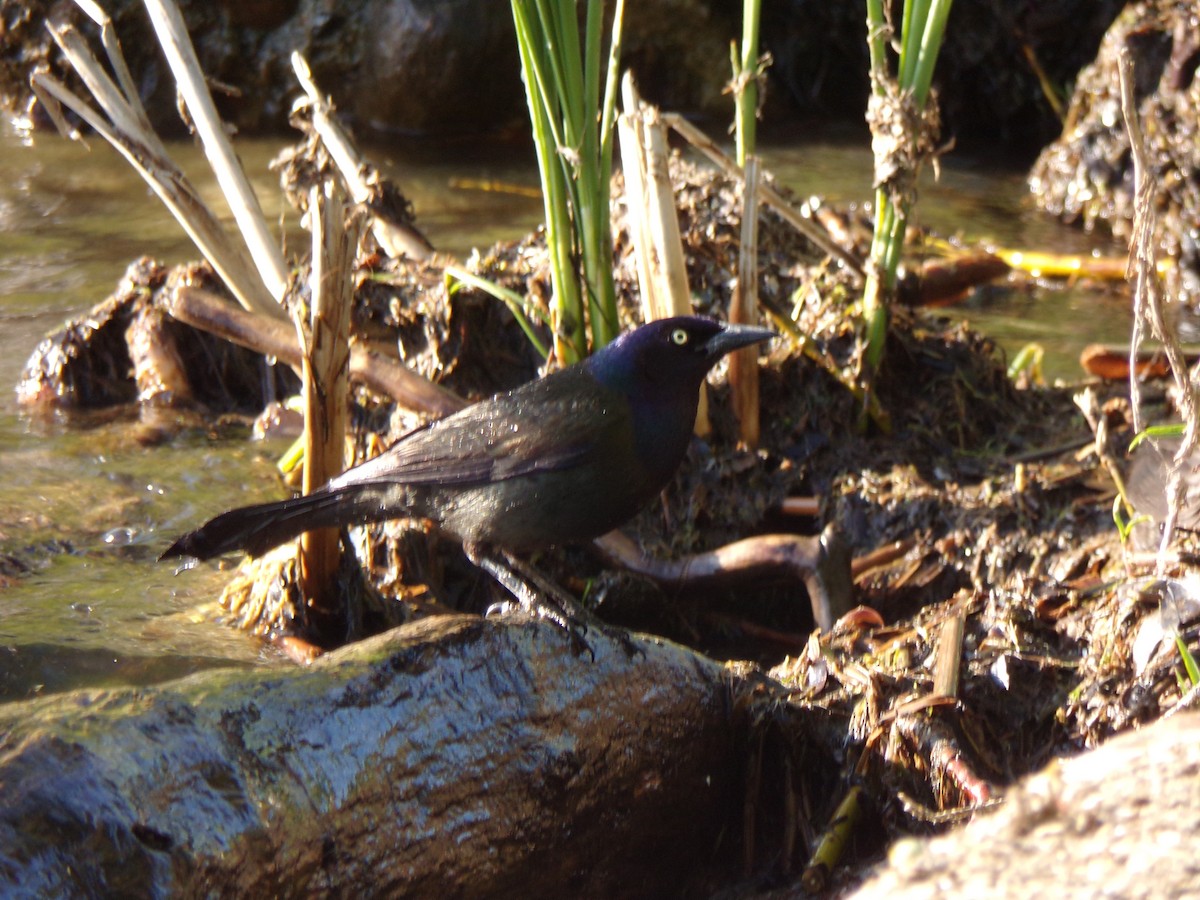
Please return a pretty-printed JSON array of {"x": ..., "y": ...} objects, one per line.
[{"x": 85, "y": 509}]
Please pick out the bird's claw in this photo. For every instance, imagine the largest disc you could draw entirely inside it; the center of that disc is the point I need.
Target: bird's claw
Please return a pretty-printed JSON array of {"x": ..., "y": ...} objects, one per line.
[
  {"x": 503, "y": 608},
  {"x": 535, "y": 597},
  {"x": 625, "y": 638},
  {"x": 575, "y": 628}
]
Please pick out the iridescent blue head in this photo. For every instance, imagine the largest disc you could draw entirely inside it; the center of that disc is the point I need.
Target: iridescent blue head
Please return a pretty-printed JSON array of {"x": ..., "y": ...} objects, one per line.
[{"x": 670, "y": 357}]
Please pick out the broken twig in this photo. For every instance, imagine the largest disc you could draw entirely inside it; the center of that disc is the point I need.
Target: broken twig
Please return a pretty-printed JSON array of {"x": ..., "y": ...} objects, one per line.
[{"x": 209, "y": 312}]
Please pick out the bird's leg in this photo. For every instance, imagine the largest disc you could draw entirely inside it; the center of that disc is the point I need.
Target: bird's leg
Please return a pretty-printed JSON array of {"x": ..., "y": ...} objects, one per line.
[
  {"x": 536, "y": 594},
  {"x": 572, "y": 610},
  {"x": 567, "y": 606},
  {"x": 527, "y": 596},
  {"x": 539, "y": 596}
]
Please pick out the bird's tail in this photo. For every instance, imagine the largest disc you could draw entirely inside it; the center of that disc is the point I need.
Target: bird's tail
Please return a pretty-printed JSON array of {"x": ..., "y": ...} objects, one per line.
[{"x": 256, "y": 529}]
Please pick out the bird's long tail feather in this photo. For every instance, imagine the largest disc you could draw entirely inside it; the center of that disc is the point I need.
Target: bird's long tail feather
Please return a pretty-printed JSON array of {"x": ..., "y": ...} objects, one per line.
[{"x": 256, "y": 529}]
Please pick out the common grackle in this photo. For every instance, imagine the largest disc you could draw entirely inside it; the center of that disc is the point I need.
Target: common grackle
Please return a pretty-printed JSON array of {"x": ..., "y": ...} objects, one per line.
[{"x": 562, "y": 459}]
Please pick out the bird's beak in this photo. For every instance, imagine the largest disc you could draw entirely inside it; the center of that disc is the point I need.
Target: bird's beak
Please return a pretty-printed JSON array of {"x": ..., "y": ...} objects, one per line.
[{"x": 732, "y": 337}]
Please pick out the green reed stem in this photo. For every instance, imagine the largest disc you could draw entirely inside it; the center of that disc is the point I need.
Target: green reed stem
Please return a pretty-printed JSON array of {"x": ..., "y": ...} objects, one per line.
[{"x": 572, "y": 129}]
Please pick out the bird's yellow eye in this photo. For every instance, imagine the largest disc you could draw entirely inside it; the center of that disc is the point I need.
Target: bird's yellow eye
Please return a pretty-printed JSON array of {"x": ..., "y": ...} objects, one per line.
[{"x": 679, "y": 337}]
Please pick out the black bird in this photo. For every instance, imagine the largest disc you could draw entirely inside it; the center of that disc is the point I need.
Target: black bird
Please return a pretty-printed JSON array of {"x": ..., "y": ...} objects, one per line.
[{"x": 562, "y": 459}]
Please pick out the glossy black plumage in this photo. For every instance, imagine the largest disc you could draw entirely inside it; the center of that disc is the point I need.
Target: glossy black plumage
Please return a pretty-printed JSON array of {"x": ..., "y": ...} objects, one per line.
[{"x": 562, "y": 459}]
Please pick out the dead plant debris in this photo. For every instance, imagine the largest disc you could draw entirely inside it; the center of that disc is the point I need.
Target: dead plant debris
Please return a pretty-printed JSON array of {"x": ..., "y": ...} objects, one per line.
[{"x": 997, "y": 525}]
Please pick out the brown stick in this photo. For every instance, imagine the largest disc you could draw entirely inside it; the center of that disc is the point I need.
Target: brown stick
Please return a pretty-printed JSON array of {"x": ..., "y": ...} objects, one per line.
[
  {"x": 820, "y": 562},
  {"x": 743, "y": 364},
  {"x": 934, "y": 741},
  {"x": 654, "y": 219},
  {"x": 881, "y": 556},
  {"x": 158, "y": 369},
  {"x": 209, "y": 312},
  {"x": 1148, "y": 302},
  {"x": 326, "y": 339},
  {"x": 637, "y": 204},
  {"x": 398, "y": 239},
  {"x": 800, "y": 506},
  {"x": 949, "y": 654}
]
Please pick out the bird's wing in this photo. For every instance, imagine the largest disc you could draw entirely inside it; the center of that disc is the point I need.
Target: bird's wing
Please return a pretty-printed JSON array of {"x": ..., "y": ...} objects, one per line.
[{"x": 547, "y": 425}]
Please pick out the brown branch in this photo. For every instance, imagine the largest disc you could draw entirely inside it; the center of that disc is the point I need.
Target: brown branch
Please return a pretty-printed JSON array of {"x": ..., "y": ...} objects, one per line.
[
  {"x": 800, "y": 506},
  {"x": 743, "y": 309},
  {"x": 326, "y": 340},
  {"x": 362, "y": 181},
  {"x": 949, "y": 654},
  {"x": 653, "y": 219},
  {"x": 209, "y": 312},
  {"x": 933, "y": 741},
  {"x": 881, "y": 556},
  {"x": 822, "y": 563}
]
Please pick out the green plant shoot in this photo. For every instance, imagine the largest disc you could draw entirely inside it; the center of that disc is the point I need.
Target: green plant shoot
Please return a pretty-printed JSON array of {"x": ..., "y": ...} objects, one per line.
[{"x": 572, "y": 114}]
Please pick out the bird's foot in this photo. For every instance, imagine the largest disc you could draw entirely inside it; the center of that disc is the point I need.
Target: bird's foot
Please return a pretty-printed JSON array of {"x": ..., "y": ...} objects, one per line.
[
  {"x": 535, "y": 596},
  {"x": 538, "y": 608},
  {"x": 575, "y": 616},
  {"x": 535, "y": 608}
]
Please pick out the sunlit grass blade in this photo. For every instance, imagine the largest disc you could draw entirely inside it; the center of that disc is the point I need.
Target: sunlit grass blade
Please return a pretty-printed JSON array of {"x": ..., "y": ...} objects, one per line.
[{"x": 572, "y": 129}]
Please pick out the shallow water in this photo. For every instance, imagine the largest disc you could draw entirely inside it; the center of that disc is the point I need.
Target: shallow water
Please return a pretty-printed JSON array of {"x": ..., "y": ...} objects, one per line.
[{"x": 87, "y": 509}]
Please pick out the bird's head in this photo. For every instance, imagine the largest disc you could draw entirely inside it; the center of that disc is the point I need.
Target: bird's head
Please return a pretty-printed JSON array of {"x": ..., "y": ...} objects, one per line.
[{"x": 674, "y": 354}]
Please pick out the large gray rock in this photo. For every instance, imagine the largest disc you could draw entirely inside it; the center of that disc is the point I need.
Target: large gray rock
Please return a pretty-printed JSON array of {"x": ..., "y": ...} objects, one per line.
[
  {"x": 1119, "y": 821},
  {"x": 456, "y": 756}
]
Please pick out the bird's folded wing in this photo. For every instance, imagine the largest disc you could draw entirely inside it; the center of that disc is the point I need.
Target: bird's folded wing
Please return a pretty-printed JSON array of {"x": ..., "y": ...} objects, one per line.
[{"x": 487, "y": 442}]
